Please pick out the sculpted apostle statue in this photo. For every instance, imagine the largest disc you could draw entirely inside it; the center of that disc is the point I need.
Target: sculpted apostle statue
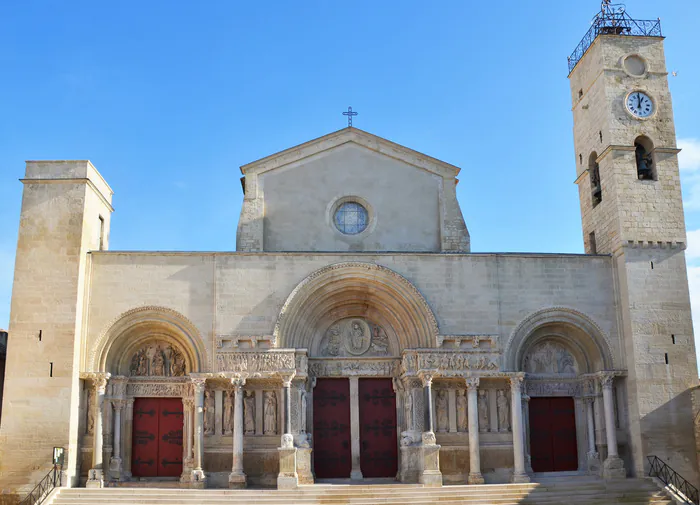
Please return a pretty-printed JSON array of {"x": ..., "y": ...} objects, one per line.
[
  {"x": 441, "y": 410},
  {"x": 249, "y": 413},
  {"x": 270, "y": 420},
  {"x": 208, "y": 413},
  {"x": 228, "y": 412},
  {"x": 461, "y": 410},
  {"x": 503, "y": 411}
]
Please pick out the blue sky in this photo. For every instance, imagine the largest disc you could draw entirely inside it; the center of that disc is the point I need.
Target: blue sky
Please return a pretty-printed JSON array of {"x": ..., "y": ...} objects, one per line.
[{"x": 169, "y": 98}]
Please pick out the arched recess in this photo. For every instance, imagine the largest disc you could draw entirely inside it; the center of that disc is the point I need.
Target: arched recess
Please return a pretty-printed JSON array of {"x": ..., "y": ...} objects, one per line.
[
  {"x": 135, "y": 328},
  {"x": 356, "y": 289},
  {"x": 575, "y": 331}
]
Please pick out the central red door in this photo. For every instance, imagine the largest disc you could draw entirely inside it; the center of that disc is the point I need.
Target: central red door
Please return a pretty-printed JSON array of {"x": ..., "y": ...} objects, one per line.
[
  {"x": 157, "y": 437},
  {"x": 378, "y": 442},
  {"x": 553, "y": 435},
  {"x": 332, "y": 428}
]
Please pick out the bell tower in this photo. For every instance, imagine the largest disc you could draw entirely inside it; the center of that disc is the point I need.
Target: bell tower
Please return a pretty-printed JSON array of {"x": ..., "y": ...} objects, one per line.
[{"x": 631, "y": 208}]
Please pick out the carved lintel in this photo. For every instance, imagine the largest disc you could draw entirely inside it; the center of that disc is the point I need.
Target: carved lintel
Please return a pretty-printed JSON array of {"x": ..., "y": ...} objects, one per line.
[
  {"x": 256, "y": 363},
  {"x": 153, "y": 389},
  {"x": 343, "y": 367}
]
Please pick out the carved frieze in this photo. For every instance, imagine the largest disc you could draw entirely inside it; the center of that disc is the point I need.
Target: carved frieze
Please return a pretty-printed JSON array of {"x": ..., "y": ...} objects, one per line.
[
  {"x": 348, "y": 367},
  {"x": 255, "y": 362},
  {"x": 354, "y": 336},
  {"x": 553, "y": 388},
  {"x": 550, "y": 358},
  {"x": 137, "y": 389},
  {"x": 448, "y": 363},
  {"x": 158, "y": 359}
]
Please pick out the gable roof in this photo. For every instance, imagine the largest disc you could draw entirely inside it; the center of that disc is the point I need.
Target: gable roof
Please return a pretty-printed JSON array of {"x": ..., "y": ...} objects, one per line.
[{"x": 351, "y": 135}]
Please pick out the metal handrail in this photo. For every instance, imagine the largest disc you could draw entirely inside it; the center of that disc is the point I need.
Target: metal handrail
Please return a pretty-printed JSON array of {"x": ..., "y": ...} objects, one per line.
[
  {"x": 670, "y": 477},
  {"x": 50, "y": 481}
]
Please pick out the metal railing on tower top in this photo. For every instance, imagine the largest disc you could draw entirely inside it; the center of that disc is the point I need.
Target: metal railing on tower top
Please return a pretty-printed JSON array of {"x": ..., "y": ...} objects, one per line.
[{"x": 613, "y": 20}]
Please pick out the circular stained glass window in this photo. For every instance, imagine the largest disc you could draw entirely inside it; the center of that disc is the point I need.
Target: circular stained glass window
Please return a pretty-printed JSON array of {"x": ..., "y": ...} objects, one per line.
[{"x": 351, "y": 218}]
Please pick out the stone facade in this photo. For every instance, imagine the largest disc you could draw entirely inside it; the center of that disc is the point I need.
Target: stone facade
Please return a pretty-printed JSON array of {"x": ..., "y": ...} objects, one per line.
[
  {"x": 3, "y": 355},
  {"x": 469, "y": 341}
]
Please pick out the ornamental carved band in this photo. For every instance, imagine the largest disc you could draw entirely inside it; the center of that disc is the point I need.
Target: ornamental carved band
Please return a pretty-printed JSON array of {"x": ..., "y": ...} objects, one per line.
[
  {"x": 156, "y": 389},
  {"x": 456, "y": 362},
  {"x": 254, "y": 362}
]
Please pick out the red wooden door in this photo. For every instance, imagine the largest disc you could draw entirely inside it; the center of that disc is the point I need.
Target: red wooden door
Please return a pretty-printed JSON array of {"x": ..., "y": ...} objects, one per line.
[
  {"x": 378, "y": 442},
  {"x": 553, "y": 435},
  {"x": 157, "y": 437},
  {"x": 332, "y": 428},
  {"x": 170, "y": 423}
]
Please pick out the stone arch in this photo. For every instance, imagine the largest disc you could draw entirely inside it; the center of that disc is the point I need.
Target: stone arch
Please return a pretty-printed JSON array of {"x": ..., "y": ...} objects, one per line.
[
  {"x": 136, "y": 327},
  {"x": 356, "y": 289},
  {"x": 571, "y": 328}
]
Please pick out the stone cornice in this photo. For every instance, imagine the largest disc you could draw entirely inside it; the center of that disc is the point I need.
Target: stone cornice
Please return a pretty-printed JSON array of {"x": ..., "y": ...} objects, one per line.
[{"x": 367, "y": 140}]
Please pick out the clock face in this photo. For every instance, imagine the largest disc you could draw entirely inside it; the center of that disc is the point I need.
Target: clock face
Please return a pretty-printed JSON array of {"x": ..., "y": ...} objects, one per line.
[{"x": 639, "y": 104}]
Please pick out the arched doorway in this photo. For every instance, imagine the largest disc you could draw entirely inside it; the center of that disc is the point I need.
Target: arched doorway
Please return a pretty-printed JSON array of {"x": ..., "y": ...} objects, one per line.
[
  {"x": 561, "y": 351},
  {"x": 355, "y": 318}
]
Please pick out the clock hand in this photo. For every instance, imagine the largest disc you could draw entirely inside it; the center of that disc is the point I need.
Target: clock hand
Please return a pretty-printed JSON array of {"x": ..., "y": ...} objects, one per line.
[{"x": 639, "y": 100}]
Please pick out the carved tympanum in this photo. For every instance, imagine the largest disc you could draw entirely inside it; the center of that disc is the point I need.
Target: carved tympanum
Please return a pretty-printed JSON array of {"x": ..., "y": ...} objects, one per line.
[
  {"x": 355, "y": 337},
  {"x": 158, "y": 359},
  {"x": 550, "y": 358}
]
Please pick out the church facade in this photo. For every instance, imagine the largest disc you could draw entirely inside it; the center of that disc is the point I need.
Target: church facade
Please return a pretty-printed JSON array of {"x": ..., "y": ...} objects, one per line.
[{"x": 353, "y": 334}]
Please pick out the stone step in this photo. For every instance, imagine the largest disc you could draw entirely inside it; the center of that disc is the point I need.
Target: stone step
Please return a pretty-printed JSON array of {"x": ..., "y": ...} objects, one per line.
[{"x": 556, "y": 491}]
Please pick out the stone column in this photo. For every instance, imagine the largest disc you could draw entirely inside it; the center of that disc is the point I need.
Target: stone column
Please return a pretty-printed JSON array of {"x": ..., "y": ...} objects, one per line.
[
  {"x": 475, "y": 476},
  {"x": 237, "y": 478},
  {"x": 198, "y": 478},
  {"x": 96, "y": 473},
  {"x": 128, "y": 437},
  {"x": 516, "y": 409},
  {"x": 613, "y": 467},
  {"x": 526, "y": 422},
  {"x": 592, "y": 456},
  {"x": 115, "y": 463},
  {"x": 355, "y": 472},
  {"x": 187, "y": 460},
  {"x": 430, "y": 475},
  {"x": 288, "y": 477}
]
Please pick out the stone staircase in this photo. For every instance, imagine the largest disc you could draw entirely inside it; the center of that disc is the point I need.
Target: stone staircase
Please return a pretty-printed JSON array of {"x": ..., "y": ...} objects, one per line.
[{"x": 549, "y": 491}]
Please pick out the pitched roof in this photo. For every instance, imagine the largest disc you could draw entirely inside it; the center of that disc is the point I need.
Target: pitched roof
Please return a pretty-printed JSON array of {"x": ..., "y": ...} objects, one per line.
[{"x": 351, "y": 135}]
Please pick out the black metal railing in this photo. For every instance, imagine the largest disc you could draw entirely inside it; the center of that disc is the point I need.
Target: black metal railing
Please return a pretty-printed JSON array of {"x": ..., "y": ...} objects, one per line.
[
  {"x": 613, "y": 20},
  {"x": 50, "y": 481},
  {"x": 670, "y": 477}
]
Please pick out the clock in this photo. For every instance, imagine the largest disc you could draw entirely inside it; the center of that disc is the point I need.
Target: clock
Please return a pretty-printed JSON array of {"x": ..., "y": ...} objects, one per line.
[{"x": 639, "y": 104}]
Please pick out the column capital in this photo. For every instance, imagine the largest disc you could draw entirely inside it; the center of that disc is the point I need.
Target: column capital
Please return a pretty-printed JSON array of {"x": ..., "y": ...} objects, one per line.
[
  {"x": 99, "y": 379},
  {"x": 427, "y": 376},
  {"x": 472, "y": 383},
  {"x": 516, "y": 382},
  {"x": 286, "y": 376},
  {"x": 199, "y": 384},
  {"x": 118, "y": 404},
  {"x": 238, "y": 381},
  {"x": 606, "y": 379}
]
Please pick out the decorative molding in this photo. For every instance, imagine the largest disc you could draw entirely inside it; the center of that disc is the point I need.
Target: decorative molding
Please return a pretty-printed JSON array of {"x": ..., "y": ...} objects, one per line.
[
  {"x": 563, "y": 315},
  {"x": 415, "y": 295},
  {"x": 472, "y": 341},
  {"x": 348, "y": 367},
  {"x": 182, "y": 323},
  {"x": 243, "y": 342}
]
